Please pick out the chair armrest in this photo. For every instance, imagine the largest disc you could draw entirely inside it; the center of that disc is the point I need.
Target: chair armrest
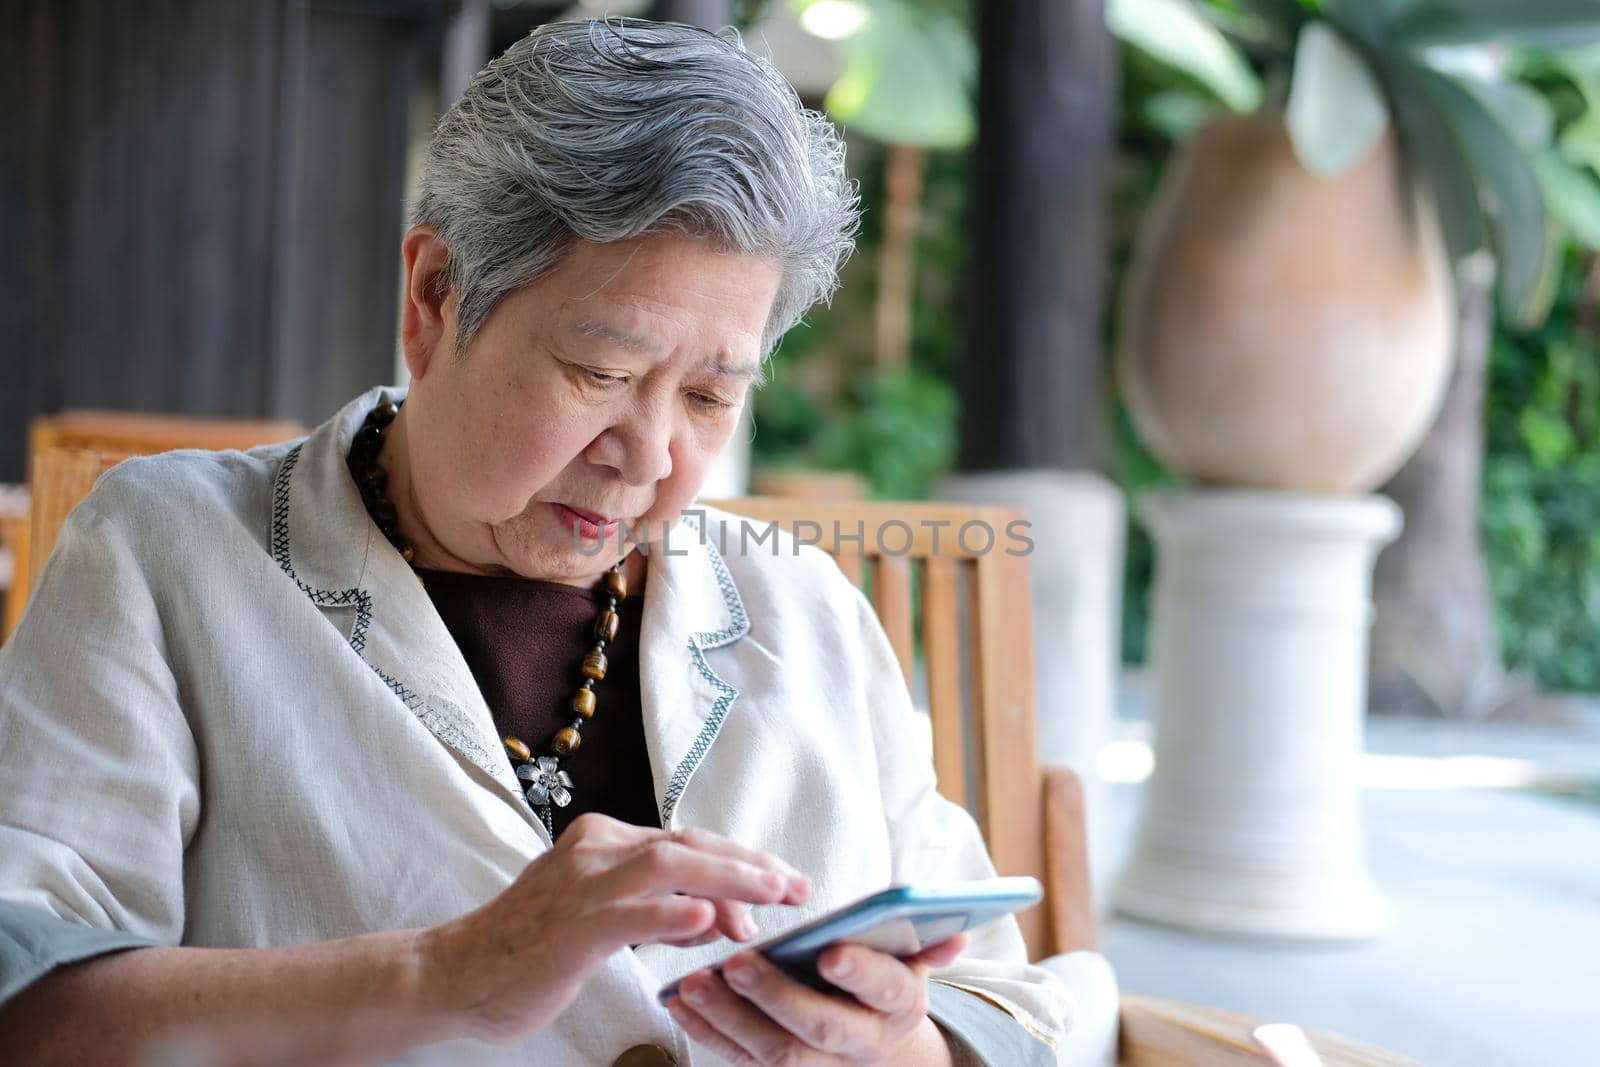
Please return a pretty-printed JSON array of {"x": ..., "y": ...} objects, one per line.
[
  {"x": 1069, "y": 895},
  {"x": 1164, "y": 1033}
]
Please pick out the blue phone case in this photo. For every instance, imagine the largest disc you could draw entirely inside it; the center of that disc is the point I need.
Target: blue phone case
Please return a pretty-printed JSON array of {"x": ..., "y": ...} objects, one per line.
[{"x": 900, "y": 921}]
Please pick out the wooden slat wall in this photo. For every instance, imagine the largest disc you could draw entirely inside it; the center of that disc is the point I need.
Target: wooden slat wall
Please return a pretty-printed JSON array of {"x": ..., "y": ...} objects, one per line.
[{"x": 202, "y": 202}]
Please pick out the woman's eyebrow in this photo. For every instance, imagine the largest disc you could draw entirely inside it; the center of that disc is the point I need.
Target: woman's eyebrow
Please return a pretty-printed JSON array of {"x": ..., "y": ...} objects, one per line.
[
  {"x": 750, "y": 372},
  {"x": 724, "y": 368},
  {"x": 620, "y": 338}
]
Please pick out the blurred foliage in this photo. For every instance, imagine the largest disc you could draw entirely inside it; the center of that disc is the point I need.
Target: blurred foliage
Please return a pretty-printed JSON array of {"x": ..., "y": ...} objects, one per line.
[
  {"x": 1541, "y": 510},
  {"x": 827, "y": 406},
  {"x": 908, "y": 73}
]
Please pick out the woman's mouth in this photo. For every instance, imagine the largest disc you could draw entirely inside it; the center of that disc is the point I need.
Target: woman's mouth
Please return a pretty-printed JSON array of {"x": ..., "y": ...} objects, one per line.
[{"x": 590, "y": 525}]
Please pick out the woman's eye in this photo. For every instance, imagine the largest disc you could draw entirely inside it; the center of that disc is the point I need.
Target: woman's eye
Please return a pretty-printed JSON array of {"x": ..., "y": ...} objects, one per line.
[
  {"x": 600, "y": 378},
  {"x": 706, "y": 400}
]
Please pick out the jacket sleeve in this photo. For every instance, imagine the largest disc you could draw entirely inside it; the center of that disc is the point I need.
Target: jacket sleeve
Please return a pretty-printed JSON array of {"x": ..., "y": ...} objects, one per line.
[
  {"x": 34, "y": 942},
  {"x": 1008, "y": 1011},
  {"x": 99, "y": 776}
]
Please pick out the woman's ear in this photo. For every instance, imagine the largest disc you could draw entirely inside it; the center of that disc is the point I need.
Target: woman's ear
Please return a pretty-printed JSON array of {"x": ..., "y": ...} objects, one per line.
[{"x": 428, "y": 307}]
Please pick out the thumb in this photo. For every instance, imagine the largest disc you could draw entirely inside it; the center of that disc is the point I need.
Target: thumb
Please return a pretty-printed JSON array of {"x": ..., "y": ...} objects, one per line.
[{"x": 942, "y": 953}]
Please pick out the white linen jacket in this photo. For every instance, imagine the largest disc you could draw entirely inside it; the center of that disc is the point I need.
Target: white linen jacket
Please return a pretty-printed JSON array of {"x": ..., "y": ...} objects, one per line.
[{"x": 231, "y": 717}]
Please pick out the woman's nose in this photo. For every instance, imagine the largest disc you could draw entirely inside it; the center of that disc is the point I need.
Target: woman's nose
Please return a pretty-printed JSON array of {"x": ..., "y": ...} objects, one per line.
[{"x": 642, "y": 447}]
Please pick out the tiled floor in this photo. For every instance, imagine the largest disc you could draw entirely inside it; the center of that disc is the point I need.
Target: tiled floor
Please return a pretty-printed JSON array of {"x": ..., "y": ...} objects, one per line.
[{"x": 1494, "y": 958}]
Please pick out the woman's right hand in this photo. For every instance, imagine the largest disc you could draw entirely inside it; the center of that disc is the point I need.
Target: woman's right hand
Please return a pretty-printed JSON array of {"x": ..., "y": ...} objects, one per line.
[{"x": 509, "y": 967}]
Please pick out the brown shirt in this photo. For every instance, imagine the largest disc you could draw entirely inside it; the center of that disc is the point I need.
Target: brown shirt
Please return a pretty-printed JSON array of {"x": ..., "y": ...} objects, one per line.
[{"x": 524, "y": 641}]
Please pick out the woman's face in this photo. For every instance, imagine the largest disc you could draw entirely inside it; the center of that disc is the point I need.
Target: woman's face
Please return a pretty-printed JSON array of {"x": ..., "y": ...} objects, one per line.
[{"x": 609, "y": 386}]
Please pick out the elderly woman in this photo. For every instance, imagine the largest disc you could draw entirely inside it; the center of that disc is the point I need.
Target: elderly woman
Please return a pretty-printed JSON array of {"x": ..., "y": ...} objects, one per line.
[{"x": 447, "y": 734}]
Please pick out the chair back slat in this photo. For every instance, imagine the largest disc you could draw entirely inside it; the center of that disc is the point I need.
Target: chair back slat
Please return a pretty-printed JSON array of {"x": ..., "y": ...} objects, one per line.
[
  {"x": 941, "y": 651},
  {"x": 891, "y": 598},
  {"x": 1003, "y": 733},
  {"x": 851, "y": 564},
  {"x": 979, "y": 685}
]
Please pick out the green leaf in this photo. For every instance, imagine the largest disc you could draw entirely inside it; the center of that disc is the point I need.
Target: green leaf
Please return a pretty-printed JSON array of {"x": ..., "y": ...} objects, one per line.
[
  {"x": 1336, "y": 110},
  {"x": 1437, "y": 157},
  {"x": 1572, "y": 195},
  {"x": 1175, "y": 113},
  {"x": 1509, "y": 193},
  {"x": 1268, "y": 27},
  {"x": 1580, "y": 138},
  {"x": 1369, "y": 20},
  {"x": 1580, "y": 141},
  {"x": 1548, "y": 437},
  {"x": 1520, "y": 109},
  {"x": 1549, "y": 23},
  {"x": 1173, "y": 33},
  {"x": 908, "y": 78}
]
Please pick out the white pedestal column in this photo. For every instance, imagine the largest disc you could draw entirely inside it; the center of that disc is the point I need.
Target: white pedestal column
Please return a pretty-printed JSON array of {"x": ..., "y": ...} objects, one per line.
[
  {"x": 1261, "y": 611},
  {"x": 1078, "y": 523}
]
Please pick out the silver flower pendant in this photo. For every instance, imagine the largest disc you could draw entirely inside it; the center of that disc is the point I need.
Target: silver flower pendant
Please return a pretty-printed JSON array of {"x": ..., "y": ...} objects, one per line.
[{"x": 547, "y": 782}]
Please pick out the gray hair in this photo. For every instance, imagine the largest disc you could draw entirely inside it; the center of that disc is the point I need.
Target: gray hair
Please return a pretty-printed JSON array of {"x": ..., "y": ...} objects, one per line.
[{"x": 606, "y": 129}]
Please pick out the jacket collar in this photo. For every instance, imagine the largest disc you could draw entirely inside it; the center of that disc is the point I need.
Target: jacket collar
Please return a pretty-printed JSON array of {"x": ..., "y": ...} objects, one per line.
[{"x": 323, "y": 539}]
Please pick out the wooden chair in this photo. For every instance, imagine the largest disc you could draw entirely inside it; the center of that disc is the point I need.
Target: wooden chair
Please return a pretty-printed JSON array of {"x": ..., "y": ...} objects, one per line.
[
  {"x": 979, "y": 690},
  {"x": 138, "y": 434},
  {"x": 980, "y": 699},
  {"x": 981, "y": 702},
  {"x": 70, "y": 439}
]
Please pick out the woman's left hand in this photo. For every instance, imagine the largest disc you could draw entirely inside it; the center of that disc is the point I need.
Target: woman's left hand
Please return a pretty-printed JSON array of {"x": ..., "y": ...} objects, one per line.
[{"x": 757, "y": 1016}]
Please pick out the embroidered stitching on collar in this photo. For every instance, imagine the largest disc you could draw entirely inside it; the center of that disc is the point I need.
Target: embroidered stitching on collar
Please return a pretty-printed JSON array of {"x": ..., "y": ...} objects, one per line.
[
  {"x": 738, "y": 627},
  {"x": 740, "y": 624},
  {"x": 443, "y": 726},
  {"x": 702, "y": 742}
]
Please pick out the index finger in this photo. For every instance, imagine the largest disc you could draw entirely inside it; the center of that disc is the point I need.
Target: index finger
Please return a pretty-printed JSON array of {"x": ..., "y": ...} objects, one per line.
[
  {"x": 666, "y": 866},
  {"x": 798, "y": 885}
]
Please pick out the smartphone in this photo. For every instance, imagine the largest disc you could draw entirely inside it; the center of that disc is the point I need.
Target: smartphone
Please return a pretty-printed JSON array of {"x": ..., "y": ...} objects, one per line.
[{"x": 901, "y": 921}]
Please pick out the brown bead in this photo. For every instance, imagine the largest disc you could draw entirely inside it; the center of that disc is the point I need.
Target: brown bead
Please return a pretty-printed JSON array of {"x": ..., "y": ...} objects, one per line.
[
  {"x": 605, "y": 626},
  {"x": 384, "y": 413},
  {"x": 407, "y": 553},
  {"x": 583, "y": 703},
  {"x": 566, "y": 741},
  {"x": 617, "y": 585},
  {"x": 517, "y": 748},
  {"x": 594, "y": 665}
]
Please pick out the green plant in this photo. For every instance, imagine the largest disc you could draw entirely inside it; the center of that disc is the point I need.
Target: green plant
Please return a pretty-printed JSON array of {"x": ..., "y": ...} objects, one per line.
[
  {"x": 1541, "y": 516},
  {"x": 1343, "y": 71},
  {"x": 895, "y": 428},
  {"x": 909, "y": 69}
]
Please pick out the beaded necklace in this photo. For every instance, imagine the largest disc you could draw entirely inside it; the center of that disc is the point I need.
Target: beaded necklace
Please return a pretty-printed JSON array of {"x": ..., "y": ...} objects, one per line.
[{"x": 545, "y": 779}]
